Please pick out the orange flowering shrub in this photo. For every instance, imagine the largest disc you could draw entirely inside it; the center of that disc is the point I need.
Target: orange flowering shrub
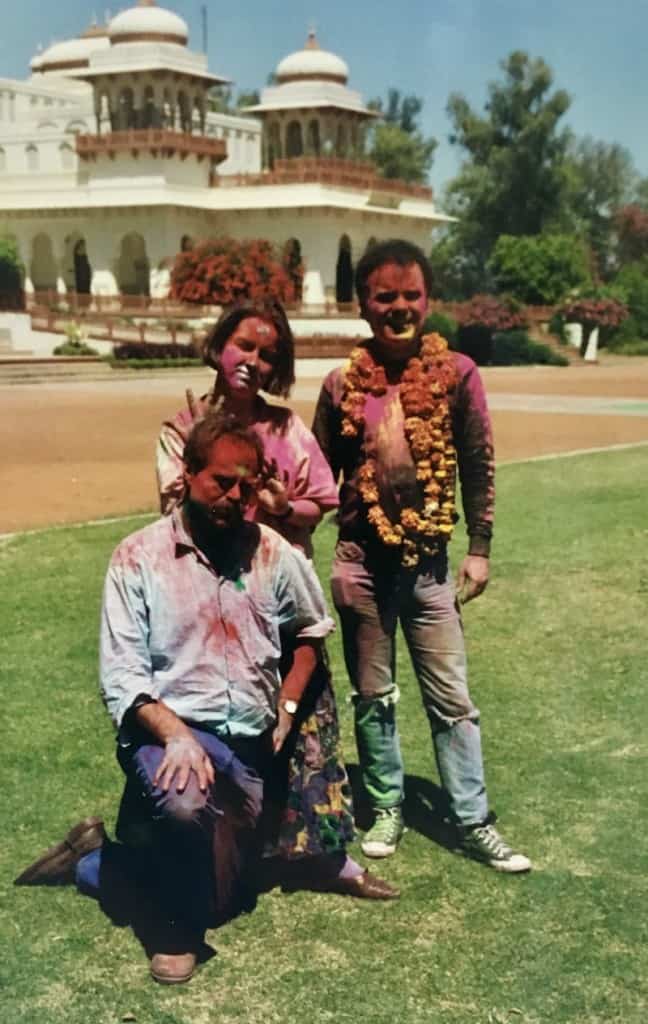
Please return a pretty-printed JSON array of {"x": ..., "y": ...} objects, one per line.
[{"x": 223, "y": 271}]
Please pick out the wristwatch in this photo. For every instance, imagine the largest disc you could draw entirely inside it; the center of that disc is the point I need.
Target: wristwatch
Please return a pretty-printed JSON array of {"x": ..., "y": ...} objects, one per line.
[
  {"x": 290, "y": 706},
  {"x": 287, "y": 512}
]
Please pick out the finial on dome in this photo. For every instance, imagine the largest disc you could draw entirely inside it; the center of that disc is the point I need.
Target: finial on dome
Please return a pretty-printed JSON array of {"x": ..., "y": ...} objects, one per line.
[
  {"x": 146, "y": 3},
  {"x": 311, "y": 42}
]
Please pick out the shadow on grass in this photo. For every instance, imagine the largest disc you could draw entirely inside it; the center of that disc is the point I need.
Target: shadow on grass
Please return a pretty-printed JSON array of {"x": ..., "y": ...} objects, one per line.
[
  {"x": 425, "y": 809},
  {"x": 128, "y": 900}
]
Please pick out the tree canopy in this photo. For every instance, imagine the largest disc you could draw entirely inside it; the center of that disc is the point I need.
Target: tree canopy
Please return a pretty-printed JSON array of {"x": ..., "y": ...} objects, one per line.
[
  {"x": 397, "y": 146},
  {"x": 540, "y": 269},
  {"x": 524, "y": 174},
  {"x": 513, "y": 178},
  {"x": 600, "y": 178}
]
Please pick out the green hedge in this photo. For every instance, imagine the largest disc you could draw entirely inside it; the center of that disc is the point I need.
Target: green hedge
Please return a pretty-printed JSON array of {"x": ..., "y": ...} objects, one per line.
[
  {"x": 146, "y": 350},
  {"x": 515, "y": 348},
  {"x": 74, "y": 348},
  {"x": 152, "y": 364},
  {"x": 441, "y": 323}
]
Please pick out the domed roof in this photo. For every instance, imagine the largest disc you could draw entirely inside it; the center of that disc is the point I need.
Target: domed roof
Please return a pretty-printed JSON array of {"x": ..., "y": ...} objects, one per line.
[
  {"x": 312, "y": 63},
  {"x": 148, "y": 23},
  {"x": 72, "y": 53}
]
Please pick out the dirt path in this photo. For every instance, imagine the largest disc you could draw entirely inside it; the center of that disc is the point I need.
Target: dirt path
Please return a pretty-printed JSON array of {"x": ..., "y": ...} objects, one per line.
[{"x": 79, "y": 451}]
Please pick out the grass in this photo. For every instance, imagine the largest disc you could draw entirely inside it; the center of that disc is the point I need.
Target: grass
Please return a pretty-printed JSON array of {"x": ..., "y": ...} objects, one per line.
[{"x": 557, "y": 654}]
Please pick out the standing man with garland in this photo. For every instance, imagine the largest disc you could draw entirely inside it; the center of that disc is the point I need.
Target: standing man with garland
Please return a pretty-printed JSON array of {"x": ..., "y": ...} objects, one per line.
[{"x": 398, "y": 422}]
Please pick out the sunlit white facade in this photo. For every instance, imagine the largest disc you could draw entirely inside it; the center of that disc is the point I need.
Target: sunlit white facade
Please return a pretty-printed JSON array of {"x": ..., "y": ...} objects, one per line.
[{"x": 111, "y": 162}]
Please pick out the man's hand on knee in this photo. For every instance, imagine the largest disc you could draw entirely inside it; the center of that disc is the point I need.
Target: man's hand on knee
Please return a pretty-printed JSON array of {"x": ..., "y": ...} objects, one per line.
[{"x": 182, "y": 756}]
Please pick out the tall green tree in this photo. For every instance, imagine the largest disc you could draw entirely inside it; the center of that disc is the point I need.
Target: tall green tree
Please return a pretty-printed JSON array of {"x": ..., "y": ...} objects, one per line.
[
  {"x": 601, "y": 178},
  {"x": 513, "y": 179},
  {"x": 397, "y": 146}
]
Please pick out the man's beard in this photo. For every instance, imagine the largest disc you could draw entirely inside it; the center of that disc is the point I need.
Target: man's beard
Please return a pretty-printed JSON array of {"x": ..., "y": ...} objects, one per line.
[{"x": 209, "y": 521}]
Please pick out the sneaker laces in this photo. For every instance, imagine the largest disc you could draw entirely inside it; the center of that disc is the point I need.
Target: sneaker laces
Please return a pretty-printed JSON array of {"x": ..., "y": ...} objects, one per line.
[
  {"x": 489, "y": 837},
  {"x": 387, "y": 826}
]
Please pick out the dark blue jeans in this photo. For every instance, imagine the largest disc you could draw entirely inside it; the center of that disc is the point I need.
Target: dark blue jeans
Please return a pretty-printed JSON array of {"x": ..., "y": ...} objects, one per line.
[{"x": 188, "y": 849}]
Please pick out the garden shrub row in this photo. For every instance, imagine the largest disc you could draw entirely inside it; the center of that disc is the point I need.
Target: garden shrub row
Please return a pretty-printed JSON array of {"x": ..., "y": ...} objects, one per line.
[{"x": 147, "y": 350}]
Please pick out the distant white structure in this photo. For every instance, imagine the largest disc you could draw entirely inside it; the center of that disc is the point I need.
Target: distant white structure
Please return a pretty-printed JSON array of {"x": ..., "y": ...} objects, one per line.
[{"x": 111, "y": 162}]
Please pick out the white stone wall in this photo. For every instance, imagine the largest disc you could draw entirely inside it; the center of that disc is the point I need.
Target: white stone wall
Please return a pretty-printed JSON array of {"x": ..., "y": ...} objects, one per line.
[
  {"x": 243, "y": 138},
  {"x": 20, "y": 101},
  {"x": 46, "y": 240}
]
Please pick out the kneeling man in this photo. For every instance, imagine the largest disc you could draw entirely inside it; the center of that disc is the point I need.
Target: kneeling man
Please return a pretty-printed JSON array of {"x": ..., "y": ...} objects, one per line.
[{"x": 195, "y": 607}]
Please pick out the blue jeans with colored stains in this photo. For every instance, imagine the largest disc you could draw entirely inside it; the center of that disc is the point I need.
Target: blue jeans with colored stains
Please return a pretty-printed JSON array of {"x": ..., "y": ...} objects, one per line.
[
  {"x": 371, "y": 597},
  {"x": 189, "y": 849}
]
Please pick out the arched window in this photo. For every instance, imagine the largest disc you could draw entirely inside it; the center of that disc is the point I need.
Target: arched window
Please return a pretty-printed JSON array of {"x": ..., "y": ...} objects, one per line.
[
  {"x": 314, "y": 138},
  {"x": 76, "y": 126},
  {"x": 341, "y": 146},
  {"x": 292, "y": 261},
  {"x": 186, "y": 243},
  {"x": 344, "y": 271},
  {"x": 3, "y": 161},
  {"x": 184, "y": 111},
  {"x": 42, "y": 267},
  {"x": 356, "y": 148},
  {"x": 133, "y": 267},
  {"x": 67, "y": 156},
  {"x": 150, "y": 114},
  {"x": 126, "y": 115},
  {"x": 274, "y": 144},
  {"x": 294, "y": 142},
  {"x": 32, "y": 157},
  {"x": 77, "y": 272}
]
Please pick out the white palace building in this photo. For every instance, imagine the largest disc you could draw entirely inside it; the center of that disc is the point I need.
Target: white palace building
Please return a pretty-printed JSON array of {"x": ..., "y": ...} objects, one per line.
[{"x": 111, "y": 161}]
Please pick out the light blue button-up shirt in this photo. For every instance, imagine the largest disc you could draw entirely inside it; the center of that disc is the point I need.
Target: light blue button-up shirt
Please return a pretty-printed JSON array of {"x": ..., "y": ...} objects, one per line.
[{"x": 206, "y": 644}]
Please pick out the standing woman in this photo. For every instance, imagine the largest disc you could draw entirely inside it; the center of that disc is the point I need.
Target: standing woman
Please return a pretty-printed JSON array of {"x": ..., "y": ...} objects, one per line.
[{"x": 251, "y": 347}]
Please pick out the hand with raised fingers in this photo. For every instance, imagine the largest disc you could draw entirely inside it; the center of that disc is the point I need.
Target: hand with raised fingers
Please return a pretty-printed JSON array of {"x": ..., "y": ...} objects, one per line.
[{"x": 273, "y": 496}]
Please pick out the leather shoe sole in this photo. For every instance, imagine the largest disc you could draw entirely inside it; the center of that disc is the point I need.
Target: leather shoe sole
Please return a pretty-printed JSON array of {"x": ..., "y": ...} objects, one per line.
[
  {"x": 56, "y": 866},
  {"x": 364, "y": 887},
  {"x": 172, "y": 968}
]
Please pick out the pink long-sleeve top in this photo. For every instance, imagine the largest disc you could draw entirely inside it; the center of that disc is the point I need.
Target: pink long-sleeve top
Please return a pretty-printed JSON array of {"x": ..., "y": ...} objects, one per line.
[{"x": 287, "y": 442}]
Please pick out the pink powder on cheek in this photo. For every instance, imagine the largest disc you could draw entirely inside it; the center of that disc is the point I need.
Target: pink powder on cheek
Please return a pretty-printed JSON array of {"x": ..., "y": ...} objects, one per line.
[{"x": 230, "y": 358}]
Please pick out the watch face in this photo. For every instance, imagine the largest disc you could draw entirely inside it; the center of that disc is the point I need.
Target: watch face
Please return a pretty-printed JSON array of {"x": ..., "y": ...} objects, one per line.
[{"x": 290, "y": 706}]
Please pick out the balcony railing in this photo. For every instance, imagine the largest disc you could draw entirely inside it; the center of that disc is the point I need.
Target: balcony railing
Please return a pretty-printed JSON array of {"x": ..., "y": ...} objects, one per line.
[
  {"x": 154, "y": 141},
  {"x": 354, "y": 174}
]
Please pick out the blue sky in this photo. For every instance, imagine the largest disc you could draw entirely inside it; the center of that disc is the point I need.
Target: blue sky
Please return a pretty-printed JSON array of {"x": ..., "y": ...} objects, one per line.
[{"x": 597, "y": 50}]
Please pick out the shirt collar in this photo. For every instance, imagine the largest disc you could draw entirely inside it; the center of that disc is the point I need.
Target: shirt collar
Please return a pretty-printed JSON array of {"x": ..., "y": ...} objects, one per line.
[{"x": 183, "y": 540}]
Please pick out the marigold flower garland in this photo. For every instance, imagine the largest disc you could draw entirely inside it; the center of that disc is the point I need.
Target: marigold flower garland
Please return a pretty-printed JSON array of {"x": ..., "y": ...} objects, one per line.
[{"x": 425, "y": 386}]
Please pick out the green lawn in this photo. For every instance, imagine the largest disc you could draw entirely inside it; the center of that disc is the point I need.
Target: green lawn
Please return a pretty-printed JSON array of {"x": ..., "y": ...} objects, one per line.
[{"x": 558, "y": 668}]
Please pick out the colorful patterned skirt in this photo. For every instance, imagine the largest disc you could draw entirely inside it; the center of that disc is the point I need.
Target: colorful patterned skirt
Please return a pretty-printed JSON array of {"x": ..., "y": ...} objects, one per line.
[{"x": 308, "y": 800}]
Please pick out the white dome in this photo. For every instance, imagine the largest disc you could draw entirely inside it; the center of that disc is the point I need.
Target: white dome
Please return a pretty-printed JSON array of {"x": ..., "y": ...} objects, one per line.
[
  {"x": 145, "y": 23},
  {"x": 73, "y": 53},
  {"x": 313, "y": 63}
]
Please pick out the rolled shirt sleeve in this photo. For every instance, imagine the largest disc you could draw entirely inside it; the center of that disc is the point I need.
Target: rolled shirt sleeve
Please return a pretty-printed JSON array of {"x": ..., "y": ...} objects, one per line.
[{"x": 125, "y": 661}]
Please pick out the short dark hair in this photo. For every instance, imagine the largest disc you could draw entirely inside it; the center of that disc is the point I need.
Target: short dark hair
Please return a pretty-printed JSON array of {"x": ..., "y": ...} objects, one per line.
[
  {"x": 282, "y": 377},
  {"x": 394, "y": 250},
  {"x": 206, "y": 431}
]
